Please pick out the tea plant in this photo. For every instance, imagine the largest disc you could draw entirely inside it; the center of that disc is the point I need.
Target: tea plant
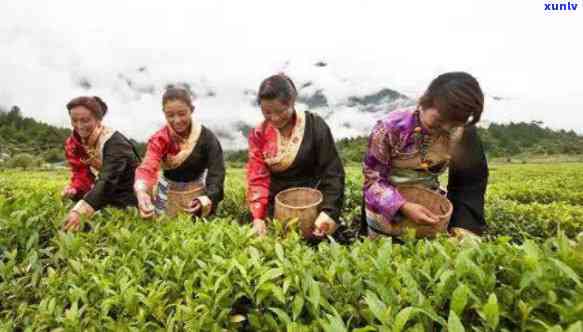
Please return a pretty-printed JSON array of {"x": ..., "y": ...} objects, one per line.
[{"x": 125, "y": 273}]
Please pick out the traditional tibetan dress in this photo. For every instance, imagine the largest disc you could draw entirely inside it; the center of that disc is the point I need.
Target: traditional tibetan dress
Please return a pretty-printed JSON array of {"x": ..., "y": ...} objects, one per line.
[
  {"x": 102, "y": 170},
  {"x": 308, "y": 158},
  {"x": 402, "y": 152},
  {"x": 192, "y": 167}
]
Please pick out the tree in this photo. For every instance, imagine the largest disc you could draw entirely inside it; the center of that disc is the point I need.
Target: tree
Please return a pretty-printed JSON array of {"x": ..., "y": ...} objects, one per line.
[
  {"x": 24, "y": 161},
  {"x": 54, "y": 155}
]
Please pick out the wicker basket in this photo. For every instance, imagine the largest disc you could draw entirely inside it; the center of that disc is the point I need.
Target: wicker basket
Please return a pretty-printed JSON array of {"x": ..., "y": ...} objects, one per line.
[
  {"x": 435, "y": 202},
  {"x": 301, "y": 203},
  {"x": 178, "y": 201}
]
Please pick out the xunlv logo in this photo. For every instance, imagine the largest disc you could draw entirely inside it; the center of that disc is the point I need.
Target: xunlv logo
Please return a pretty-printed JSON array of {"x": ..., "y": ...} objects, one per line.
[{"x": 569, "y": 6}]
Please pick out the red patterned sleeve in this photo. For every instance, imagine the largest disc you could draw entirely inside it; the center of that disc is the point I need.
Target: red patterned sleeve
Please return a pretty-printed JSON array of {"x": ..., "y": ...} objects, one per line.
[
  {"x": 147, "y": 172},
  {"x": 81, "y": 177},
  {"x": 258, "y": 176}
]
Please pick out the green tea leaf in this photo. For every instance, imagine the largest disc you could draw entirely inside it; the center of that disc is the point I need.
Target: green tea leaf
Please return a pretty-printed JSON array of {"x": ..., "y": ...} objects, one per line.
[
  {"x": 459, "y": 299},
  {"x": 279, "y": 252},
  {"x": 454, "y": 324},
  {"x": 566, "y": 270},
  {"x": 281, "y": 315},
  {"x": 375, "y": 305},
  {"x": 365, "y": 329},
  {"x": 491, "y": 311},
  {"x": 277, "y": 293},
  {"x": 576, "y": 327},
  {"x": 334, "y": 323},
  {"x": 314, "y": 294},
  {"x": 269, "y": 275},
  {"x": 403, "y": 317},
  {"x": 297, "y": 306}
]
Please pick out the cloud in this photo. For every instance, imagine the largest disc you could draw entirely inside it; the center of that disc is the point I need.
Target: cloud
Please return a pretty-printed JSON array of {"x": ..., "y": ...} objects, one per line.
[{"x": 128, "y": 51}]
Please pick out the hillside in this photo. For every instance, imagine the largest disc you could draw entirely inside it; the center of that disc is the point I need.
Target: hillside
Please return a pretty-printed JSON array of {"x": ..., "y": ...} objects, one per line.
[
  {"x": 19, "y": 134},
  {"x": 23, "y": 135}
]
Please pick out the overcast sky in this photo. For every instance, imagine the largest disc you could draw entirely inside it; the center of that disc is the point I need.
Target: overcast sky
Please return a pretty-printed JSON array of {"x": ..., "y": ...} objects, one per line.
[{"x": 516, "y": 49}]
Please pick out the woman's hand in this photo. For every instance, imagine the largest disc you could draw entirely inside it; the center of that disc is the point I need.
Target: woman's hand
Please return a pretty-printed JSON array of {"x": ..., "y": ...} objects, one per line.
[
  {"x": 419, "y": 214},
  {"x": 324, "y": 225},
  {"x": 259, "y": 227},
  {"x": 73, "y": 221},
  {"x": 69, "y": 192},
  {"x": 195, "y": 208},
  {"x": 145, "y": 204}
]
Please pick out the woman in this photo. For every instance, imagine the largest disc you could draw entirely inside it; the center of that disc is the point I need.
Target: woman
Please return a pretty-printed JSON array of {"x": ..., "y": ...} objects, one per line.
[
  {"x": 291, "y": 149},
  {"x": 102, "y": 162},
  {"x": 415, "y": 146},
  {"x": 467, "y": 183},
  {"x": 191, "y": 158}
]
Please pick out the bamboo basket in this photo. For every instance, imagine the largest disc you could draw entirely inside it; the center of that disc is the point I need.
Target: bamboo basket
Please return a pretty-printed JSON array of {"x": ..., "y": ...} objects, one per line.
[
  {"x": 178, "y": 201},
  {"x": 302, "y": 203},
  {"x": 436, "y": 203}
]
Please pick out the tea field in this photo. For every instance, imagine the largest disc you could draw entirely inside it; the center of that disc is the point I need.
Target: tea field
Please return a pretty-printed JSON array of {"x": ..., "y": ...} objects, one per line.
[{"x": 127, "y": 274}]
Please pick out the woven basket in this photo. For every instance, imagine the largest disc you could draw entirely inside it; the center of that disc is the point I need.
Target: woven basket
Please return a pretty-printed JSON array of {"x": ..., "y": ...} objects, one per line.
[
  {"x": 433, "y": 201},
  {"x": 301, "y": 203},
  {"x": 178, "y": 201}
]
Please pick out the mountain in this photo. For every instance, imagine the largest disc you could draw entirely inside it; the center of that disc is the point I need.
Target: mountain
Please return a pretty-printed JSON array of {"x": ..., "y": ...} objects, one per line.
[
  {"x": 19, "y": 134},
  {"x": 350, "y": 99},
  {"x": 350, "y": 104}
]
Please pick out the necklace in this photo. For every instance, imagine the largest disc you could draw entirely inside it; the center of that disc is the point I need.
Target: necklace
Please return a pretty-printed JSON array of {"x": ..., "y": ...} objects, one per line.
[
  {"x": 423, "y": 141},
  {"x": 90, "y": 146}
]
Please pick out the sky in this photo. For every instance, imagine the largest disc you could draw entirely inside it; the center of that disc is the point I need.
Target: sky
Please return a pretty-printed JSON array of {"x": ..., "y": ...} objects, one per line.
[{"x": 529, "y": 57}]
